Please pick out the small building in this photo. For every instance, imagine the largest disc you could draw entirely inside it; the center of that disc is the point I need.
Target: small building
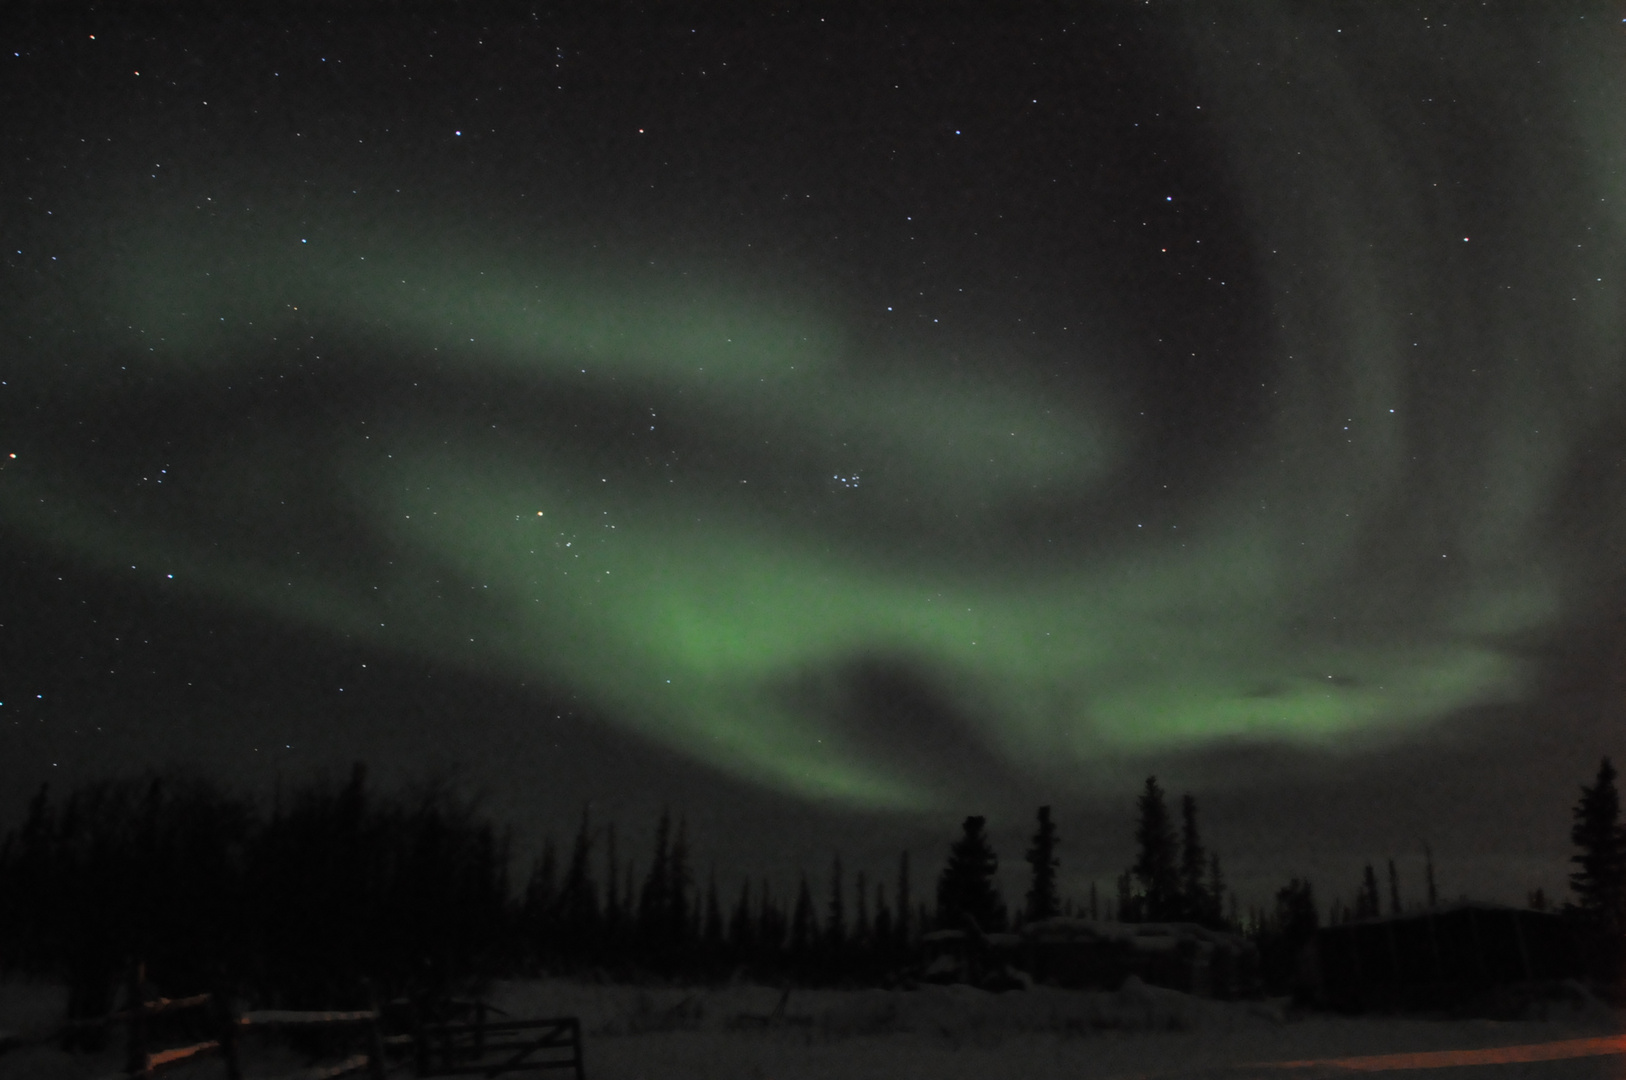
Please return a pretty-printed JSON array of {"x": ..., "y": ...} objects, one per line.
[
  {"x": 1178, "y": 955},
  {"x": 1439, "y": 957},
  {"x": 968, "y": 956},
  {"x": 1093, "y": 954}
]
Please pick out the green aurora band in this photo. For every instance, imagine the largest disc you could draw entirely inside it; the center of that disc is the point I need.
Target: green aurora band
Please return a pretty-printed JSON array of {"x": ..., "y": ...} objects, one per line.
[{"x": 1382, "y": 564}]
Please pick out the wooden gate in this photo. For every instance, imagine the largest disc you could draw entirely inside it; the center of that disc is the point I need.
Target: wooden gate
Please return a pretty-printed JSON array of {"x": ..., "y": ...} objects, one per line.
[{"x": 482, "y": 1048}]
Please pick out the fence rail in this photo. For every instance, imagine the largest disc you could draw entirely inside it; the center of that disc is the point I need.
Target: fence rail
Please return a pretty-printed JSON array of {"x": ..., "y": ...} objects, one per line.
[{"x": 471, "y": 1047}]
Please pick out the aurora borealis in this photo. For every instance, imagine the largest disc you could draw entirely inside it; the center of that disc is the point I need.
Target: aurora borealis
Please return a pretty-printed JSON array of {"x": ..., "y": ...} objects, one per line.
[{"x": 745, "y": 460}]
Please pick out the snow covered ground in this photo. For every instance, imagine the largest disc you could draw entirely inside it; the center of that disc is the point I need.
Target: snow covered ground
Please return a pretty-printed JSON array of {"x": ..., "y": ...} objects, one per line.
[{"x": 937, "y": 1032}]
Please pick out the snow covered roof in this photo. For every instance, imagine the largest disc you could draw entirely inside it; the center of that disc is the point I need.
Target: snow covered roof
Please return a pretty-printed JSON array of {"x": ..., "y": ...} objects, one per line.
[
  {"x": 1446, "y": 909},
  {"x": 1139, "y": 935}
]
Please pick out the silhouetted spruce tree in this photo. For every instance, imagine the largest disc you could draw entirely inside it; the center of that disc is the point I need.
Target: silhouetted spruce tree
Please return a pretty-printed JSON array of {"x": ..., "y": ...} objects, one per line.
[
  {"x": 1283, "y": 937},
  {"x": 1128, "y": 906},
  {"x": 1599, "y": 881},
  {"x": 1296, "y": 909},
  {"x": 679, "y": 882},
  {"x": 1041, "y": 858},
  {"x": 352, "y": 869},
  {"x": 966, "y": 885},
  {"x": 1193, "y": 864},
  {"x": 443, "y": 891},
  {"x": 803, "y": 927},
  {"x": 478, "y": 901},
  {"x": 1367, "y": 902},
  {"x": 164, "y": 881},
  {"x": 1216, "y": 894},
  {"x": 835, "y": 923},
  {"x": 1394, "y": 888},
  {"x": 614, "y": 920},
  {"x": 859, "y": 940},
  {"x": 578, "y": 900},
  {"x": 29, "y": 887},
  {"x": 629, "y": 907},
  {"x": 903, "y": 931},
  {"x": 882, "y": 933},
  {"x": 303, "y": 874},
  {"x": 1156, "y": 868},
  {"x": 655, "y": 901},
  {"x": 712, "y": 941},
  {"x": 772, "y": 928},
  {"x": 741, "y": 927}
]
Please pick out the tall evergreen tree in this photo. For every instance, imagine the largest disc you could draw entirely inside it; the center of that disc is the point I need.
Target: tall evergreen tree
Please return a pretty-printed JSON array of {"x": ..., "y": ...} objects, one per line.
[
  {"x": 1293, "y": 925},
  {"x": 903, "y": 928},
  {"x": 539, "y": 911},
  {"x": 1367, "y": 902},
  {"x": 629, "y": 897},
  {"x": 613, "y": 914},
  {"x": 1296, "y": 910},
  {"x": 679, "y": 880},
  {"x": 1155, "y": 867},
  {"x": 1193, "y": 864},
  {"x": 741, "y": 928},
  {"x": 655, "y": 902},
  {"x": 803, "y": 924},
  {"x": 966, "y": 886},
  {"x": 578, "y": 897},
  {"x": 860, "y": 935},
  {"x": 881, "y": 937},
  {"x": 1216, "y": 892},
  {"x": 772, "y": 925},
  {"x": 1394, "y": 889},
  {"x": 835, "y": 923},
  {"x": 1599, "y": 881},
  {"x": 1041, "y": 857},
  {"x": 711, "y": 934}
]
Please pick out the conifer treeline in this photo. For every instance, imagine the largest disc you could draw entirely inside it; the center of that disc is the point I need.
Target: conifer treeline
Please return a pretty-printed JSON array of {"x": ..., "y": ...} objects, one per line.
[
  {"x": 337, "y": 885},
  {"x": 669, "y": 926},
  {"x": 293, "y": 908},
  {"x": 297, "y": 906},
  {"x": 1174, "y": 877}
]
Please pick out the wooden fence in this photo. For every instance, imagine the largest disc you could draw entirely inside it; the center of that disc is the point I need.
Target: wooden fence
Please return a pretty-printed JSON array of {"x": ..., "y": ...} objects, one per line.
[
  {"x": 470, "y": 1047},
  {"x": 482, "y": 1047},
  {"x": 144, "y": 1062}
]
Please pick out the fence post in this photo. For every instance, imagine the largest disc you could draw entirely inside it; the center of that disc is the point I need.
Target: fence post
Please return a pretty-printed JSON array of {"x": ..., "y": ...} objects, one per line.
[
  {"x": 226, "y": 1021},
  {"x": 420, "y": 1038},
  {"x": 135, "y": 1056},
  {"x": 375, "y": 1037}
]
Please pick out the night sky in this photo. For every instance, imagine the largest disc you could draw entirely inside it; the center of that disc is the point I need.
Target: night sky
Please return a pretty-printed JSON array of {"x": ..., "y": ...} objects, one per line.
[{"x": 830, "y": 422}]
